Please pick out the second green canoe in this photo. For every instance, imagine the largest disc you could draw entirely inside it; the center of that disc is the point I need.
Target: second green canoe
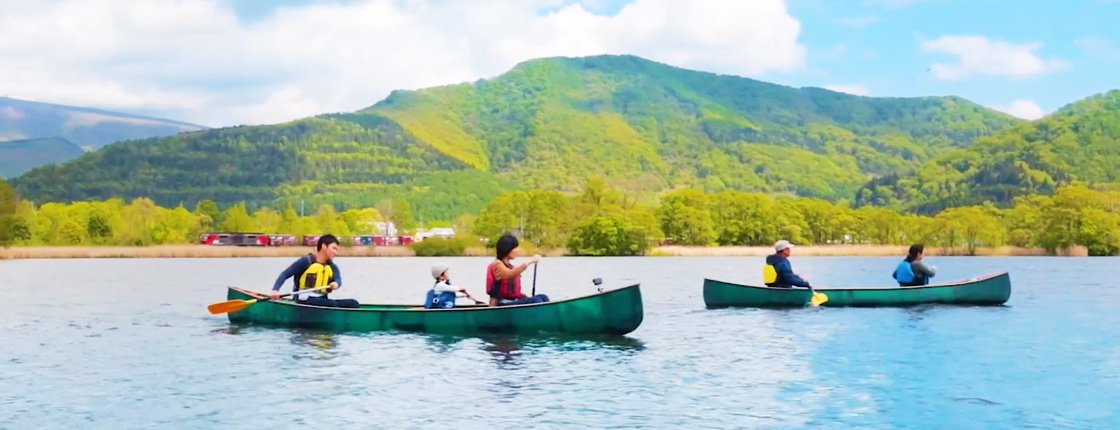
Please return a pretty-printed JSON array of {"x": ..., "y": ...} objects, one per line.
[
  {"x": 992, "y": 289},
  {"x": 609, "y": 312}
]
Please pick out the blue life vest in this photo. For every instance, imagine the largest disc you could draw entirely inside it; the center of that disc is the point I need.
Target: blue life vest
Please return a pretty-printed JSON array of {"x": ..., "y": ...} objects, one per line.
[
  {"x": 904, "y": 273},
  {"x": 444, "y": 300}
]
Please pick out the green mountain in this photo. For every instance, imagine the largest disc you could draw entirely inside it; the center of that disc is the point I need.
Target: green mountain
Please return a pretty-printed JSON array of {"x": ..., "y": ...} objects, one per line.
[
  {"x": 1079, "y": 142},
  {"x": 547, "y": 123},
  {"x": 19, "y": 156},
  {"x": 34, "y": 123}
]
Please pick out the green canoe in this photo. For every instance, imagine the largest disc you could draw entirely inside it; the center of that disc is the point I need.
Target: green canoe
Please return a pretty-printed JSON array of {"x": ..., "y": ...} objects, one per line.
[
  {"x": 992, "y": 289},
  {"x": 608, "y": 312}
]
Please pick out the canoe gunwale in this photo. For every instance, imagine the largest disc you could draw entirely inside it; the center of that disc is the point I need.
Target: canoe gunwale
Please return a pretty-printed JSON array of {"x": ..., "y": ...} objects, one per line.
[{"x": 403, "y": 307}]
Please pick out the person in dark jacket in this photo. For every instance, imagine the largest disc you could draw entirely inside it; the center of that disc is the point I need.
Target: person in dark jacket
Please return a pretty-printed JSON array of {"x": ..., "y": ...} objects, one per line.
[
  {"x": 911, "y": 271},
  {"x": 778, "y": 272}
]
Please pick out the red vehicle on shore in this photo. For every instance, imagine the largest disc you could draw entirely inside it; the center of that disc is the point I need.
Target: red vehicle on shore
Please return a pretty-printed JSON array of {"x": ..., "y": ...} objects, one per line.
[{"x": 236, "y": 239}]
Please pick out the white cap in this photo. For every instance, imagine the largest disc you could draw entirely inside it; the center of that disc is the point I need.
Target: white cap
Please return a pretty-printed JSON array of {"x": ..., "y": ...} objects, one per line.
[
  {"x": 438, "y": 270},
  {"x": 782, "y": 244}
]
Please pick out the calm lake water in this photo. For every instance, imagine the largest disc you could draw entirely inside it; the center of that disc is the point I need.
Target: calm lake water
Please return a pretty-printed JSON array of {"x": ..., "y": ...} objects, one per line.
[{"x": 128, "y": 344}]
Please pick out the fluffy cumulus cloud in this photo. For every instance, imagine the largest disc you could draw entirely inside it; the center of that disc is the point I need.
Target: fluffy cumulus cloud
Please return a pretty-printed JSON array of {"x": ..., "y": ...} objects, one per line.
[
  {"x": 854, "y": 89},
  {"x": 1022, "y": 108},
  {"x": 978, "y": 55},
  {"x": 197, "y": 60}
]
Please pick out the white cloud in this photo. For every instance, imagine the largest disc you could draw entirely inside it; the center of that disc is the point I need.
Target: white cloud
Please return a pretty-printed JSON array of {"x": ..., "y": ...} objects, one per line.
[
  {"x": 1097, "y": 47},
  {"x": 1022, "y": 108},
  {"x": 854, "y": 89},
  {"x": 978, "y": 55},
  {"x": 195, "y": 60}
]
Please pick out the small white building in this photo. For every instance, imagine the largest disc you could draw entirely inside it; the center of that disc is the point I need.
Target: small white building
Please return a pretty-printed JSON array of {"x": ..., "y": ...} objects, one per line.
[
  {"x": 444, "y": 232},
  {"x": 385, "y": 228}
]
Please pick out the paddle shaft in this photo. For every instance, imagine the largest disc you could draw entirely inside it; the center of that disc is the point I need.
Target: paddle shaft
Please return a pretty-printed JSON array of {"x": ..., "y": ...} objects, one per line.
[
  {"x": 267, "y": 298},
  {"x": 535, "y": 278},
  {"x": 239, "y": 304}
]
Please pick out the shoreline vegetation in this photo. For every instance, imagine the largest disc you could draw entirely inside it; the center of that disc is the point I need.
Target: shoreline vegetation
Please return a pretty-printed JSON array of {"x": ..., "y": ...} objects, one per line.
[
  {"x": 597, "y": 221},
  {"x": 211, "y": 251}
]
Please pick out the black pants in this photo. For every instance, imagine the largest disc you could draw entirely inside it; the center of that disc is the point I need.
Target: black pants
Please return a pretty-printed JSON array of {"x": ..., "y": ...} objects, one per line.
[{"x": 330, "y": 303}]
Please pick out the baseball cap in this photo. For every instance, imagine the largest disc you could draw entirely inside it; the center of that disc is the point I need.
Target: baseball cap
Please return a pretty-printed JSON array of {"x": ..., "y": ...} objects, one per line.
[{"x": 782, "y": 244}]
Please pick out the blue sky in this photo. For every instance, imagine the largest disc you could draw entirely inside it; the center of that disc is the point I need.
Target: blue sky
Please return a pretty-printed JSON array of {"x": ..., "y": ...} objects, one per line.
[
  {"x": 231, "y": 62},
  {"x": 879, "y": 47},
  {"x": 884, "y": 47}
]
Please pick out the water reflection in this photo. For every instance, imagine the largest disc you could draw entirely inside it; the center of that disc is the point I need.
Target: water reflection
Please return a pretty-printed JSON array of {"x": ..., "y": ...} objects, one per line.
[
  {"x": 232, "y": 330},
  {"x": 323, "y": 345},
  {"x": 506, "y": 348}
]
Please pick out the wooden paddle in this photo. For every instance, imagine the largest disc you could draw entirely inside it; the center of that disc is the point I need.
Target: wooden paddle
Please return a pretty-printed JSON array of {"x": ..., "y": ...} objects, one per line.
[{"x": 239, "y": 304}]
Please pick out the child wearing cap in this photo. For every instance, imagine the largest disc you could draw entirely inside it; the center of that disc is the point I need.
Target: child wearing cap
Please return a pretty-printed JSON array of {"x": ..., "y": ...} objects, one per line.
[{"x": 442, "y": 295}]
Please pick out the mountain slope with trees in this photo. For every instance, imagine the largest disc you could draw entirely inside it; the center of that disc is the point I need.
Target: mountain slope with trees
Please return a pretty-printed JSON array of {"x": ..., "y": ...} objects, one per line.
[
  {"x": 1078, "y": 143},
  {"x": 546, "y": 124}
]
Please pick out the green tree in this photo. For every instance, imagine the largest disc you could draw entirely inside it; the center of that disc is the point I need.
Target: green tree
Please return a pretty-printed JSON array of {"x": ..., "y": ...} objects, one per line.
[
  {"x": 361, "y": 221},
  {"x": 608, "y": 235},
  {"x": 1099, "y": 231},
  {"x": 971, "y": 226},
  {"x": 236, "y": 219},
  {"x": 686, "y": 219},
  {"x": 70, "y": 233},
  {"x": 402, "y": 216},
  {"x": 268, "y": 220},
  {"x": 8, "y": 204},
  {"x": 138, "y": 221},
  {"x": 98, "y": 228},
  {"x": 210, "y": 210}
]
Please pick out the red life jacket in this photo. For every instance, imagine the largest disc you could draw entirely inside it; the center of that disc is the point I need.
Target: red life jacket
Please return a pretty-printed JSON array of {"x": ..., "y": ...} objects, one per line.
[{"x": 502, "y": 288}]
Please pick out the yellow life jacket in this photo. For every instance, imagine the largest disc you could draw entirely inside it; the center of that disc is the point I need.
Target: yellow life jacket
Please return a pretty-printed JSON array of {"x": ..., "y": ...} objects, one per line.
[
  {"x": 316, "y": 275},
  {"x": 769, "y": 274}
]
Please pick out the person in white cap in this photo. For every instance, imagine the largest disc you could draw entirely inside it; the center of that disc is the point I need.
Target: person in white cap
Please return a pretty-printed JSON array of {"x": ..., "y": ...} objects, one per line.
[
  {"x": 778, "y": 272},
  {"x": 442, "y": 295}
]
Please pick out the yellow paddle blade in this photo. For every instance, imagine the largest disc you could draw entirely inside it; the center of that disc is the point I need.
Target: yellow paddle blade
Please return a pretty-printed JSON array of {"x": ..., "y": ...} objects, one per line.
[
  {"x": 818, "y": 298},
  {"x": 229, "y": 306}
]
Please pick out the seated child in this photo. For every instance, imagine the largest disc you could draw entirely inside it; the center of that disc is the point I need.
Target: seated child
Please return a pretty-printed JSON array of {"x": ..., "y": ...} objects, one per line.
[{"x": 442, "y": 294}]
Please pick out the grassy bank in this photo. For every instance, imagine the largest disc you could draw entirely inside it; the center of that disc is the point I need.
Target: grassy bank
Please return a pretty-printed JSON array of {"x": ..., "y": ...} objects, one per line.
[{"x": 208, "y": 251}]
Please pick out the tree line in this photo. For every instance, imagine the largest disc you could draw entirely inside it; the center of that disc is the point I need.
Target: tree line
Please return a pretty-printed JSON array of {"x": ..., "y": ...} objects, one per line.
[{"x": 601, "y": 220}]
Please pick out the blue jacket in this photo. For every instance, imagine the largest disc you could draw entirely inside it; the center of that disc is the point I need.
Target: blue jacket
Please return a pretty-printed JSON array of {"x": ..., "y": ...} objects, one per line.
[{"x": 786, "y": 277}]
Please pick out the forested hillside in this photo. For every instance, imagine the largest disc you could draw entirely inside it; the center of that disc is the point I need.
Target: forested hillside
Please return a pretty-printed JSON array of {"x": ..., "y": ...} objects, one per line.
[
  {"x": 549, "y": 124},
  {"x": 1080, "y": 142}
]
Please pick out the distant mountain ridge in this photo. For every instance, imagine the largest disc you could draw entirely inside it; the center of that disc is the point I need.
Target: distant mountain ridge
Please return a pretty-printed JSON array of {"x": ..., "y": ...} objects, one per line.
[
  {"x": 546, "y": 123},
  {"x": 32, "y": 123},
  {"x": 17, "y": 155}
]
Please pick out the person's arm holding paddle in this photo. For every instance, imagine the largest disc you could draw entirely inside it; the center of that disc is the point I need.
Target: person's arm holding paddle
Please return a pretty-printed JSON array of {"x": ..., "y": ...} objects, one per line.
[
  {"x": 785, "y": 272},
  {"x": 503, "y": 272},
  {"x": 296, "y": 268}
]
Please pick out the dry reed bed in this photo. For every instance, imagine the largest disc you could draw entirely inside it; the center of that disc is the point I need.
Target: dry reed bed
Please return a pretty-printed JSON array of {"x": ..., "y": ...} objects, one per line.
[
  {"x": 210, "y": 251},
  {"x": 189, "y": 251}
]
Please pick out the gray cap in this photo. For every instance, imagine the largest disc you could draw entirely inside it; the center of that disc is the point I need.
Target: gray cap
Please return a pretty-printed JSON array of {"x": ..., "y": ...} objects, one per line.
[
  {"x": 438, "y": 270},
  {"x": 782, "y": 244}
]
